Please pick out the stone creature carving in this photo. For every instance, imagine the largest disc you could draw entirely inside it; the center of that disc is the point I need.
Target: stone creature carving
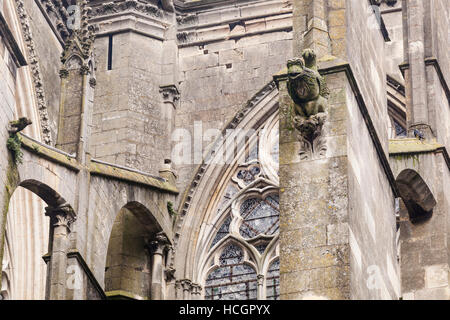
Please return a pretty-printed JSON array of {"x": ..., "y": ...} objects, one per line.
[
  {"x": 309, "y": 92},
  {"x": 18, "y": 125}
]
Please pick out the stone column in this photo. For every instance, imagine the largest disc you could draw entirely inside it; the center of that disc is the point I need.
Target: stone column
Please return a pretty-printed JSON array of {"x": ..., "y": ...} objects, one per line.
[
  {"x": 157, "y": 248},
  {"x": 61, "y": 219},
  {"x": 417, "y": 113},
  {"x": 331, "y": 131},
  {"x": 260, "y": 282},
  {"x": 310, "y": 27}
]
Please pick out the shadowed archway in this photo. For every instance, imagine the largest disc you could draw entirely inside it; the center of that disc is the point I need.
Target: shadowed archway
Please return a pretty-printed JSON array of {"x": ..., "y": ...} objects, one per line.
[{"x": 416, "y": 195}]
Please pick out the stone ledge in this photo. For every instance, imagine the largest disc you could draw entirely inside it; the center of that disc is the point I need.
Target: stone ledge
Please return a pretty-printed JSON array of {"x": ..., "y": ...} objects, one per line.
[
  {"x": 130, "y": 22},
  {"x": 49, "y": 153},
  {"x": 409, "y": 146},
  {"x": 130, "y": 175}
]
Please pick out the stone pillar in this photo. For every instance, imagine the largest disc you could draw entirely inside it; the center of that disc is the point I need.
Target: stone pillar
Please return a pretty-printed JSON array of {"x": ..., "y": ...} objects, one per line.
[
  {"x": 61, "y": 219},
  {"x": 77, "y": 90},
  {"x": 330, "y": 132},
  {"x": 157, "y": 248},
  {"x": 417, "y": 113},
  {"x": 260, "y": 282},
  {"x": 310, "y": 27}
]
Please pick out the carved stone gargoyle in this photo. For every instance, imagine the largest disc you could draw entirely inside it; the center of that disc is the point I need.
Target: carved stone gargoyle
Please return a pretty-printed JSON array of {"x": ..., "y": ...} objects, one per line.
[{"x": 309, "y": 92}]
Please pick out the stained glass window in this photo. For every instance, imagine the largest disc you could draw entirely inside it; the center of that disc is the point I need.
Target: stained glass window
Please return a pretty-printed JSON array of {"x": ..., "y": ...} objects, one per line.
[
  {"x": 233, "y": 280},
  {"x": 273, "y": 281},
  {"x": 261, "y": 216},
  {"x": 399, "y": 130},
  {"x": 223, "y": 231}
]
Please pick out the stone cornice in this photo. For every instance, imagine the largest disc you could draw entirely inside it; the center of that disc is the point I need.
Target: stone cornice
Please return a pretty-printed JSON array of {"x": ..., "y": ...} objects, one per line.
[
  {"x": 113, "y": 7},
  {"x": 234, "y": 23},
  {"x": 50, "y": 153},
  {"x": 410, "y": 146},
  {"x": 193, "y": 6}
]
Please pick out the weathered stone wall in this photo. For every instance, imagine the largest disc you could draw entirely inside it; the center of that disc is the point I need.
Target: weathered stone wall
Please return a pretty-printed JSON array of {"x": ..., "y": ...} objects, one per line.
[
  {"x": 436, "y": 29},
  {"x": 372, "y": 223},
  {"x": 351, "y": 252},
  {"x": 365, "y": 48},
  {"x": 128, "y": 128},
  {"x": 7, "y": 105},
  {"x": 439, "y": 107},
  {"x": 48, "y": 52},
  {"x": 314, "y": 204},
  {"x": 94, "y": 229},
  {"x": 128, "y": 264},
  {"x": 423, "y": 245},
  {"x": 392, "y": 17},
  {"x": 226, "y": 55}
]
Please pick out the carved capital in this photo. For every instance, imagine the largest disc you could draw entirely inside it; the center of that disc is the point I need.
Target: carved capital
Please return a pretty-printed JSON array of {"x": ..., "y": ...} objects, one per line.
[
  {"x": 169, "y": 273},
  {"x": 260, "y": 279},
  {"x": 186, "y": 284},
  {"x": 158, "y": 244},
  {"x": 93, "y": 82},
  {"x": 63, "y": 73},
  {"x": 170, "y": 94},
  {"x": 62, "y": 215},
  {"x": 196, "y": 289}
]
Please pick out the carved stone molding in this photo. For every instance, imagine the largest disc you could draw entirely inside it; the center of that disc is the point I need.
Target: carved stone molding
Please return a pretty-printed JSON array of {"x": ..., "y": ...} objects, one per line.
[
  {"x": 196, "y": 289},
  {"x": 78, "y": 49},
  {"x": 58, "y": 15},
  {"x": 109, "y": 8},
  {"x": 309, "y": 92},
  {"x": 35, "y": 71},
  {"x": 62, "y": 215}
]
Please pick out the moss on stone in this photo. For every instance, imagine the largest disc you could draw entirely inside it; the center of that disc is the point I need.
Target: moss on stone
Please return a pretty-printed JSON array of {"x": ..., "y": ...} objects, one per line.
[
  {"x": 12, "y": 182},
  {"x": 14, "y": 144}
]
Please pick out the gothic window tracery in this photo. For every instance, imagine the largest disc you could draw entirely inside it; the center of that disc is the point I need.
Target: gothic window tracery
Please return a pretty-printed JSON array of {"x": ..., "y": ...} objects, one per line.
[{"x": 242, "y": 262}]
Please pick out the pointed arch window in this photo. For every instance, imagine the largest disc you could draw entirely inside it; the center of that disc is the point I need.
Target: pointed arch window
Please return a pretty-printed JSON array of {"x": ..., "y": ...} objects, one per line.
[{"x": 243, "y": 259}]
